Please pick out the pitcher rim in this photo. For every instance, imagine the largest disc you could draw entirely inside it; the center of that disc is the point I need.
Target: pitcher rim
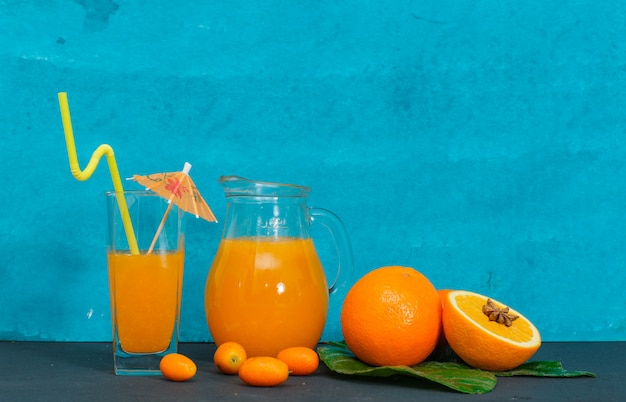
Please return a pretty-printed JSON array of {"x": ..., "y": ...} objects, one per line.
[{"x": 260, "y": 188}]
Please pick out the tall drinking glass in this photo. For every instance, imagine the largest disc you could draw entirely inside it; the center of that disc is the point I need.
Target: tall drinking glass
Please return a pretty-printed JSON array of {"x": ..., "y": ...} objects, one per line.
[{"x": 145, "y": 288}]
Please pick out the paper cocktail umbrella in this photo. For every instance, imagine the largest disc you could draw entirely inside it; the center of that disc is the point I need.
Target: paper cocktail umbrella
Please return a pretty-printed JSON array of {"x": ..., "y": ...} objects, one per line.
[{"x": 179, "y": 189}]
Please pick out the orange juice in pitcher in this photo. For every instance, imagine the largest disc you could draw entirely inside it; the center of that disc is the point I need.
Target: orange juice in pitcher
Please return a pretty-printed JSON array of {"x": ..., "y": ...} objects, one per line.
[
  {"x": 281, "y": 294},
  {"x": 266, "y": 288}
]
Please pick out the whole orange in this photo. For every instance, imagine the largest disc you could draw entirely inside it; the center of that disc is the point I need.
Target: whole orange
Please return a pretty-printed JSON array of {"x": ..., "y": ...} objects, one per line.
[
  {"x": 300, "y": 360},
  {"x": 442, "y": 342},
  {"x": 177, "y": 367},
  {"x": 228, "y": 357},
  {"x": 263, "y": 371},
  {"x": 392, "y": 316}
]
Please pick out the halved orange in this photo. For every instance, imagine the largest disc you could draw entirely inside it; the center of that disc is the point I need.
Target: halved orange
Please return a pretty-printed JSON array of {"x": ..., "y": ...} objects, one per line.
[{"x": 481, "y": 342}]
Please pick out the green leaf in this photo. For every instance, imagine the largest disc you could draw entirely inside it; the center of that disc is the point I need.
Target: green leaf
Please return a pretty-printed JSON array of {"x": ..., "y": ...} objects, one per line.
[
  {"x": 456, "y": 376},
  {"x": 448, "y": 371},
  {"x": 543, "y": 369}
]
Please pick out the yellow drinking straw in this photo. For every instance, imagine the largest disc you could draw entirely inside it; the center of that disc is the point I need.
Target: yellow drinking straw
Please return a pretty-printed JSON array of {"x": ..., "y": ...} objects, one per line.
[{"x": 83, "y": 175}]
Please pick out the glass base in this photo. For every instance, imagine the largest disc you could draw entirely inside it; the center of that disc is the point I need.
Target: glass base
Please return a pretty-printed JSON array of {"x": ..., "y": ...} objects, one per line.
[{"x": 144, "y": 365}]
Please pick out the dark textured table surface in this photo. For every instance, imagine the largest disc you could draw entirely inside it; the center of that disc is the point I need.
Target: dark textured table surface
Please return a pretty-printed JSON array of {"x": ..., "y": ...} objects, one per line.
[{"x": 43, "y": 371}]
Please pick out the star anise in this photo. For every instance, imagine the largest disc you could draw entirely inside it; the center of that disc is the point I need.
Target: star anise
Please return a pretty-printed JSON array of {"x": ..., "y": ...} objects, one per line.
[{"x": 499, "y": 315}]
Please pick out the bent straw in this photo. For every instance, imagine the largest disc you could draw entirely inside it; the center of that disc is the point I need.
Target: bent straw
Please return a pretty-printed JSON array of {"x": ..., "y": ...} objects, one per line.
[{"x": 83, "y": 175}]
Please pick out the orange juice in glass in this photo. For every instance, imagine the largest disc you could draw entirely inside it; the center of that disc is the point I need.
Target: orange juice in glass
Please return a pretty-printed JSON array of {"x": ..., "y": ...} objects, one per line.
[
  {"x": 266, "y": 288},
  {"x": 145, "y": 291},
  {"x": 145, "y": 288}
]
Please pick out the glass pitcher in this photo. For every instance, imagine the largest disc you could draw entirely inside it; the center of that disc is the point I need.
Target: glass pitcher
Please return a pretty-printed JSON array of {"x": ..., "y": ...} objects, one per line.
[{"x": 266, "y": 289}]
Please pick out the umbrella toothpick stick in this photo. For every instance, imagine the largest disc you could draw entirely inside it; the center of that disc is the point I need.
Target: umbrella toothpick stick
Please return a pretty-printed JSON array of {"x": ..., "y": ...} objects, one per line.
[
  {"x": 186, "y": 169},
  {"x": 82, "y": 175},
  {"x": 160, "y": 228}
]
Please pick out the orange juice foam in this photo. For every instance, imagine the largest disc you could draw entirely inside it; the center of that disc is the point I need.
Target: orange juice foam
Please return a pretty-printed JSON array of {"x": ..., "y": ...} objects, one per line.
[
  {"x": 266, "y": 294},
  {"x": 145, "y": 299}
]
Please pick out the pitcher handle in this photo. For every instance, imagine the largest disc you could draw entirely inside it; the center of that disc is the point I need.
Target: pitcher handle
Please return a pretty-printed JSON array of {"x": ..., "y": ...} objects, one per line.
[{"x": 342, "y": 242}]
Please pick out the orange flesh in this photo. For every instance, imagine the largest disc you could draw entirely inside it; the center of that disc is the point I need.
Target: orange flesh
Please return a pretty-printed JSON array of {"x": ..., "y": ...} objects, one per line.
[{"x": 472, "y": 306}]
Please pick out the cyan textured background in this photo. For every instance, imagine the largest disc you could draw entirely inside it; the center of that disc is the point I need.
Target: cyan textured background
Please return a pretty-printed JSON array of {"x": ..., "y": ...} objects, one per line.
[{"x": 481, "y": 142}]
